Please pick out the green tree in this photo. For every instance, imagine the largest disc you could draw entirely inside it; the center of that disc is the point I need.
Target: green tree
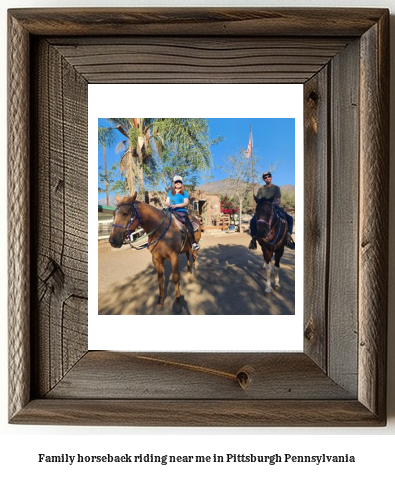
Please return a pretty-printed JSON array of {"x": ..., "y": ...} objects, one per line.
[
  {"x": 156, "y": 148},
  {"x": 113, "y": 181},
  {"x": 287, "y": 199},
  {"x": 242, "y": 171},
  {"x": 106, "y": 137}
]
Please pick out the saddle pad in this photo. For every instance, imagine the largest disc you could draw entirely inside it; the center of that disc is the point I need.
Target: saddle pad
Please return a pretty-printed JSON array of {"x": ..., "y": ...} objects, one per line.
[{"x": 195, "y": 224}]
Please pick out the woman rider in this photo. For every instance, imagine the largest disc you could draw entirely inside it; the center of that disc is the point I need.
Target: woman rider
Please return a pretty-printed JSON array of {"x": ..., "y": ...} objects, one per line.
[{"x": 177, "y": 199}]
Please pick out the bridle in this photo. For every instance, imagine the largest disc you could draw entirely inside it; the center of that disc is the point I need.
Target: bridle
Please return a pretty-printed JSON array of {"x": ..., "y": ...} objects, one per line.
[
  {"x": 277, "y": 220},
  {"x": 127, "y": 228},
  {"x": 137, "y": 216}
]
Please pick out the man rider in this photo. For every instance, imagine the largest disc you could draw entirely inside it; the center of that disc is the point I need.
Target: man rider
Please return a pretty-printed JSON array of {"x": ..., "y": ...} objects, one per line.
[{"x": 268, "y": 191}]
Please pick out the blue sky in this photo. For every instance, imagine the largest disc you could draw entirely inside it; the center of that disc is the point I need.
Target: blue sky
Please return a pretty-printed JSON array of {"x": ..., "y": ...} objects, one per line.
[{"x": 273, "y": 142}]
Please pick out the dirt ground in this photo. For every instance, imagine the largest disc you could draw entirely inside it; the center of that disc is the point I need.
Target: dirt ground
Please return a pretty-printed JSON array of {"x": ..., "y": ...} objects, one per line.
[{"x": 229, "y": 279}]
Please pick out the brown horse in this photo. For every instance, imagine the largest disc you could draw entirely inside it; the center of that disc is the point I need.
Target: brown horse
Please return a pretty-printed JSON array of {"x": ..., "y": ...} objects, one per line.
[
  {"x": 272, "y": 232},
  {"x": 165, "y": 239}
]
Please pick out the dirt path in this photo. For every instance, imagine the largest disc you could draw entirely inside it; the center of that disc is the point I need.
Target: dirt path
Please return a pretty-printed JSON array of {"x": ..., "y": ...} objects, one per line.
[{"x": 229, "y": 279}]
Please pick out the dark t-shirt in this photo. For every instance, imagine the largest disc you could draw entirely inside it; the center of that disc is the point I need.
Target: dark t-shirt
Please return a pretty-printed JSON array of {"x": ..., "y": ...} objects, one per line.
[{"x": 268, "y": 193}]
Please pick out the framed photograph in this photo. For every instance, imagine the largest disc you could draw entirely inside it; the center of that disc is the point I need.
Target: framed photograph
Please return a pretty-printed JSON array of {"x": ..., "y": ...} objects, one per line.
[
  {"x": 341, "y": 57},
  {"x": 227, "y": 284}
]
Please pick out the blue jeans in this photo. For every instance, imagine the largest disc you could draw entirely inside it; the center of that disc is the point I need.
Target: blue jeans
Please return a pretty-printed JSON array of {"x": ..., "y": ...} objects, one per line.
[{"x": 290, "y": 221}]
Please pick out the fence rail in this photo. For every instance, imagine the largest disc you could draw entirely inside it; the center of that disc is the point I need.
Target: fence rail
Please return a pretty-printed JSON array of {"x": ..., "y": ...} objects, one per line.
[{"x": 105, "y": 227}]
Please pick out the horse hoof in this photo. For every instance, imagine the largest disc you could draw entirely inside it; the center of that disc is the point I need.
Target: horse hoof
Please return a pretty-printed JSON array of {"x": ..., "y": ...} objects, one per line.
[{"x": 177, "y": 307}]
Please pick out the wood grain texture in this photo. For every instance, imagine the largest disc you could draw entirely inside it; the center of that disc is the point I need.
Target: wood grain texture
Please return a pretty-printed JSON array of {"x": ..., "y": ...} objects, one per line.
[
  {"x": 183, "y": 376},
  {"x": 373, "y": 233},
  {"x": 316, "y": 214},
  {"x": 318, "y": 387},
  {"x": 18, "y": 208},
  {"x": 344, "y": 219},
  {"x": 61, "y": 229},
  {"x": 159, "y": 60},
  {"x": 201, "y": 21},
  {"x": 202, "y": 413}
]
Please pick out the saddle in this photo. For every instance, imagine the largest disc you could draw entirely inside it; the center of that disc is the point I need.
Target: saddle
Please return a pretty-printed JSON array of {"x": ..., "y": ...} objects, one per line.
[{"x": 178, "y": 219}]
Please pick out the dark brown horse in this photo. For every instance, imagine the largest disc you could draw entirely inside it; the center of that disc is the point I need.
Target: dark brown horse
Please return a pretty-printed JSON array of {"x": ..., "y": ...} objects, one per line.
[
  {"x": 165, "y": 239},
  {"x": 272, "y": 231}
]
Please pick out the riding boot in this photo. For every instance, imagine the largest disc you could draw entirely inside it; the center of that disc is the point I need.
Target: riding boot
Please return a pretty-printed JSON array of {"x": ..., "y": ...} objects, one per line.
[
  {"x": 188, "y": 224},
  {"x": 290, "y": 242},
  {"x": 252, "y": 245}
]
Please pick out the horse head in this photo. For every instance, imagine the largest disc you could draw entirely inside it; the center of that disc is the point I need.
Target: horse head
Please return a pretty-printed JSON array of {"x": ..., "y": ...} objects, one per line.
[
  {"x": 264, "y": 214},
  {"x": 126, "y": 219}
]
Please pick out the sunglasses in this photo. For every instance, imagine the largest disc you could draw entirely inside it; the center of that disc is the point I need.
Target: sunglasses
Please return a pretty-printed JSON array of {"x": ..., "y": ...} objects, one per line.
[
  {"x": 177, "y": 182},
  {"x": 267, "y": 176}
]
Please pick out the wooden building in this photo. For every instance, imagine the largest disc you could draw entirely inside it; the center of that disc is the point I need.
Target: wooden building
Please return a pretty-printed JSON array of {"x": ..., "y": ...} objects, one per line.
[{"x": 208, "y": 208}]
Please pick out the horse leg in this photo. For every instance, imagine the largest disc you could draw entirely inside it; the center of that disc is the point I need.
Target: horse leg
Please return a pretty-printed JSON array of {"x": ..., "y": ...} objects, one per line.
[
  {"x": 191, "y": 262},
  {"x": 175, "y": 277},
  {"x": 267, "y": 264},
  {"x": 188, "y": 261},
  {"x": 277, "y": 276},
  {"x": 278, "y": 255},
  {"x": 268, "y": 267},
  {"x": 158, "y": 264},
  {"x": 198, "y": 235}
]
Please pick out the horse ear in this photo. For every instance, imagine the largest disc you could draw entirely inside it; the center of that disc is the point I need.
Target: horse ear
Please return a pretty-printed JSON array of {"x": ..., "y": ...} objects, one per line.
[
  {"x": 118, "y": 198},
  {"x": 131, "y": 199}
]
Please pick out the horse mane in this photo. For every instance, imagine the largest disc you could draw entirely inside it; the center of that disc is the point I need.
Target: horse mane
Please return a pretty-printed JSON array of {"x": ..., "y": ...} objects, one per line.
[
  {"x": 125, "y": 202},
  {"x": 129, "y": 201},
  {"x": 265, "y": 200}
]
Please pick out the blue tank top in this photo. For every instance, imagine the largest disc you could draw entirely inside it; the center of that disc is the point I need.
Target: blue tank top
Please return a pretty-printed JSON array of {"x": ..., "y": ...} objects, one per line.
[{"x": 178, "y": 199}]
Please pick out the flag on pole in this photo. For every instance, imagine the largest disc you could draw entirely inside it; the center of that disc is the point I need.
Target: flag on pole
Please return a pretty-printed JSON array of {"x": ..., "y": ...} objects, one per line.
[{"x": 249, "y": 147}]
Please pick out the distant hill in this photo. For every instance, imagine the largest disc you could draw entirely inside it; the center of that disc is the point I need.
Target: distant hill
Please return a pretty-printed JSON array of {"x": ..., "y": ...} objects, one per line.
[
  {"x": 224, "y": 186},
  {"x": 103, "y": 201}
]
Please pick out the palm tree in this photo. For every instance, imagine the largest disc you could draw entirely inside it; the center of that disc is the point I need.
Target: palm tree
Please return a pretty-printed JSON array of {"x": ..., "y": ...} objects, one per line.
[
  {"x": 106, "y": 137},
  {"x": 187, "y": 138}
]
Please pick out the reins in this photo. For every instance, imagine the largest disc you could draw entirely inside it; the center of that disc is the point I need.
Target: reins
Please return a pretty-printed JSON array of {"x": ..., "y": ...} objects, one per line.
[
  {"x": 279, "y": 222},
  {"x": 145, "y": 246},
  {"x": 144, "y": 236}
]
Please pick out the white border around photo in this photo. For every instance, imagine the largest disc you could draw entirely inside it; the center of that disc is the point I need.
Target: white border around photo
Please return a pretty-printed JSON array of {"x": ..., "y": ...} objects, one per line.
[{"x": 179, "y": 333}]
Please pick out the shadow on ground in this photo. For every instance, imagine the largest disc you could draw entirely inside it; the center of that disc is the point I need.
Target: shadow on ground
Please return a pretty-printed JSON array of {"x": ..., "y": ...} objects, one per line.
[{"x": 229, "y": 279}]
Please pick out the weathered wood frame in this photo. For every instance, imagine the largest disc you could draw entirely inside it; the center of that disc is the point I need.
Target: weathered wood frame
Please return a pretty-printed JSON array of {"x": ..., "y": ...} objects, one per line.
[{"x": 342, "y": 57}]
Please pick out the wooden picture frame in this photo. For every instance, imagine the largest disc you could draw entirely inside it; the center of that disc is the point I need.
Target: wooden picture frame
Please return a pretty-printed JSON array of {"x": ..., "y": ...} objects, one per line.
[{"x": 342, "y": 58}]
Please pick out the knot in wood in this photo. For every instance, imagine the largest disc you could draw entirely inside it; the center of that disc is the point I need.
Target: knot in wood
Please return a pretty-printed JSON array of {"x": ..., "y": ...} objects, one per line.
[
  {"x": 244, "y": 376},
  {"x": 313, "y": 96}
]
